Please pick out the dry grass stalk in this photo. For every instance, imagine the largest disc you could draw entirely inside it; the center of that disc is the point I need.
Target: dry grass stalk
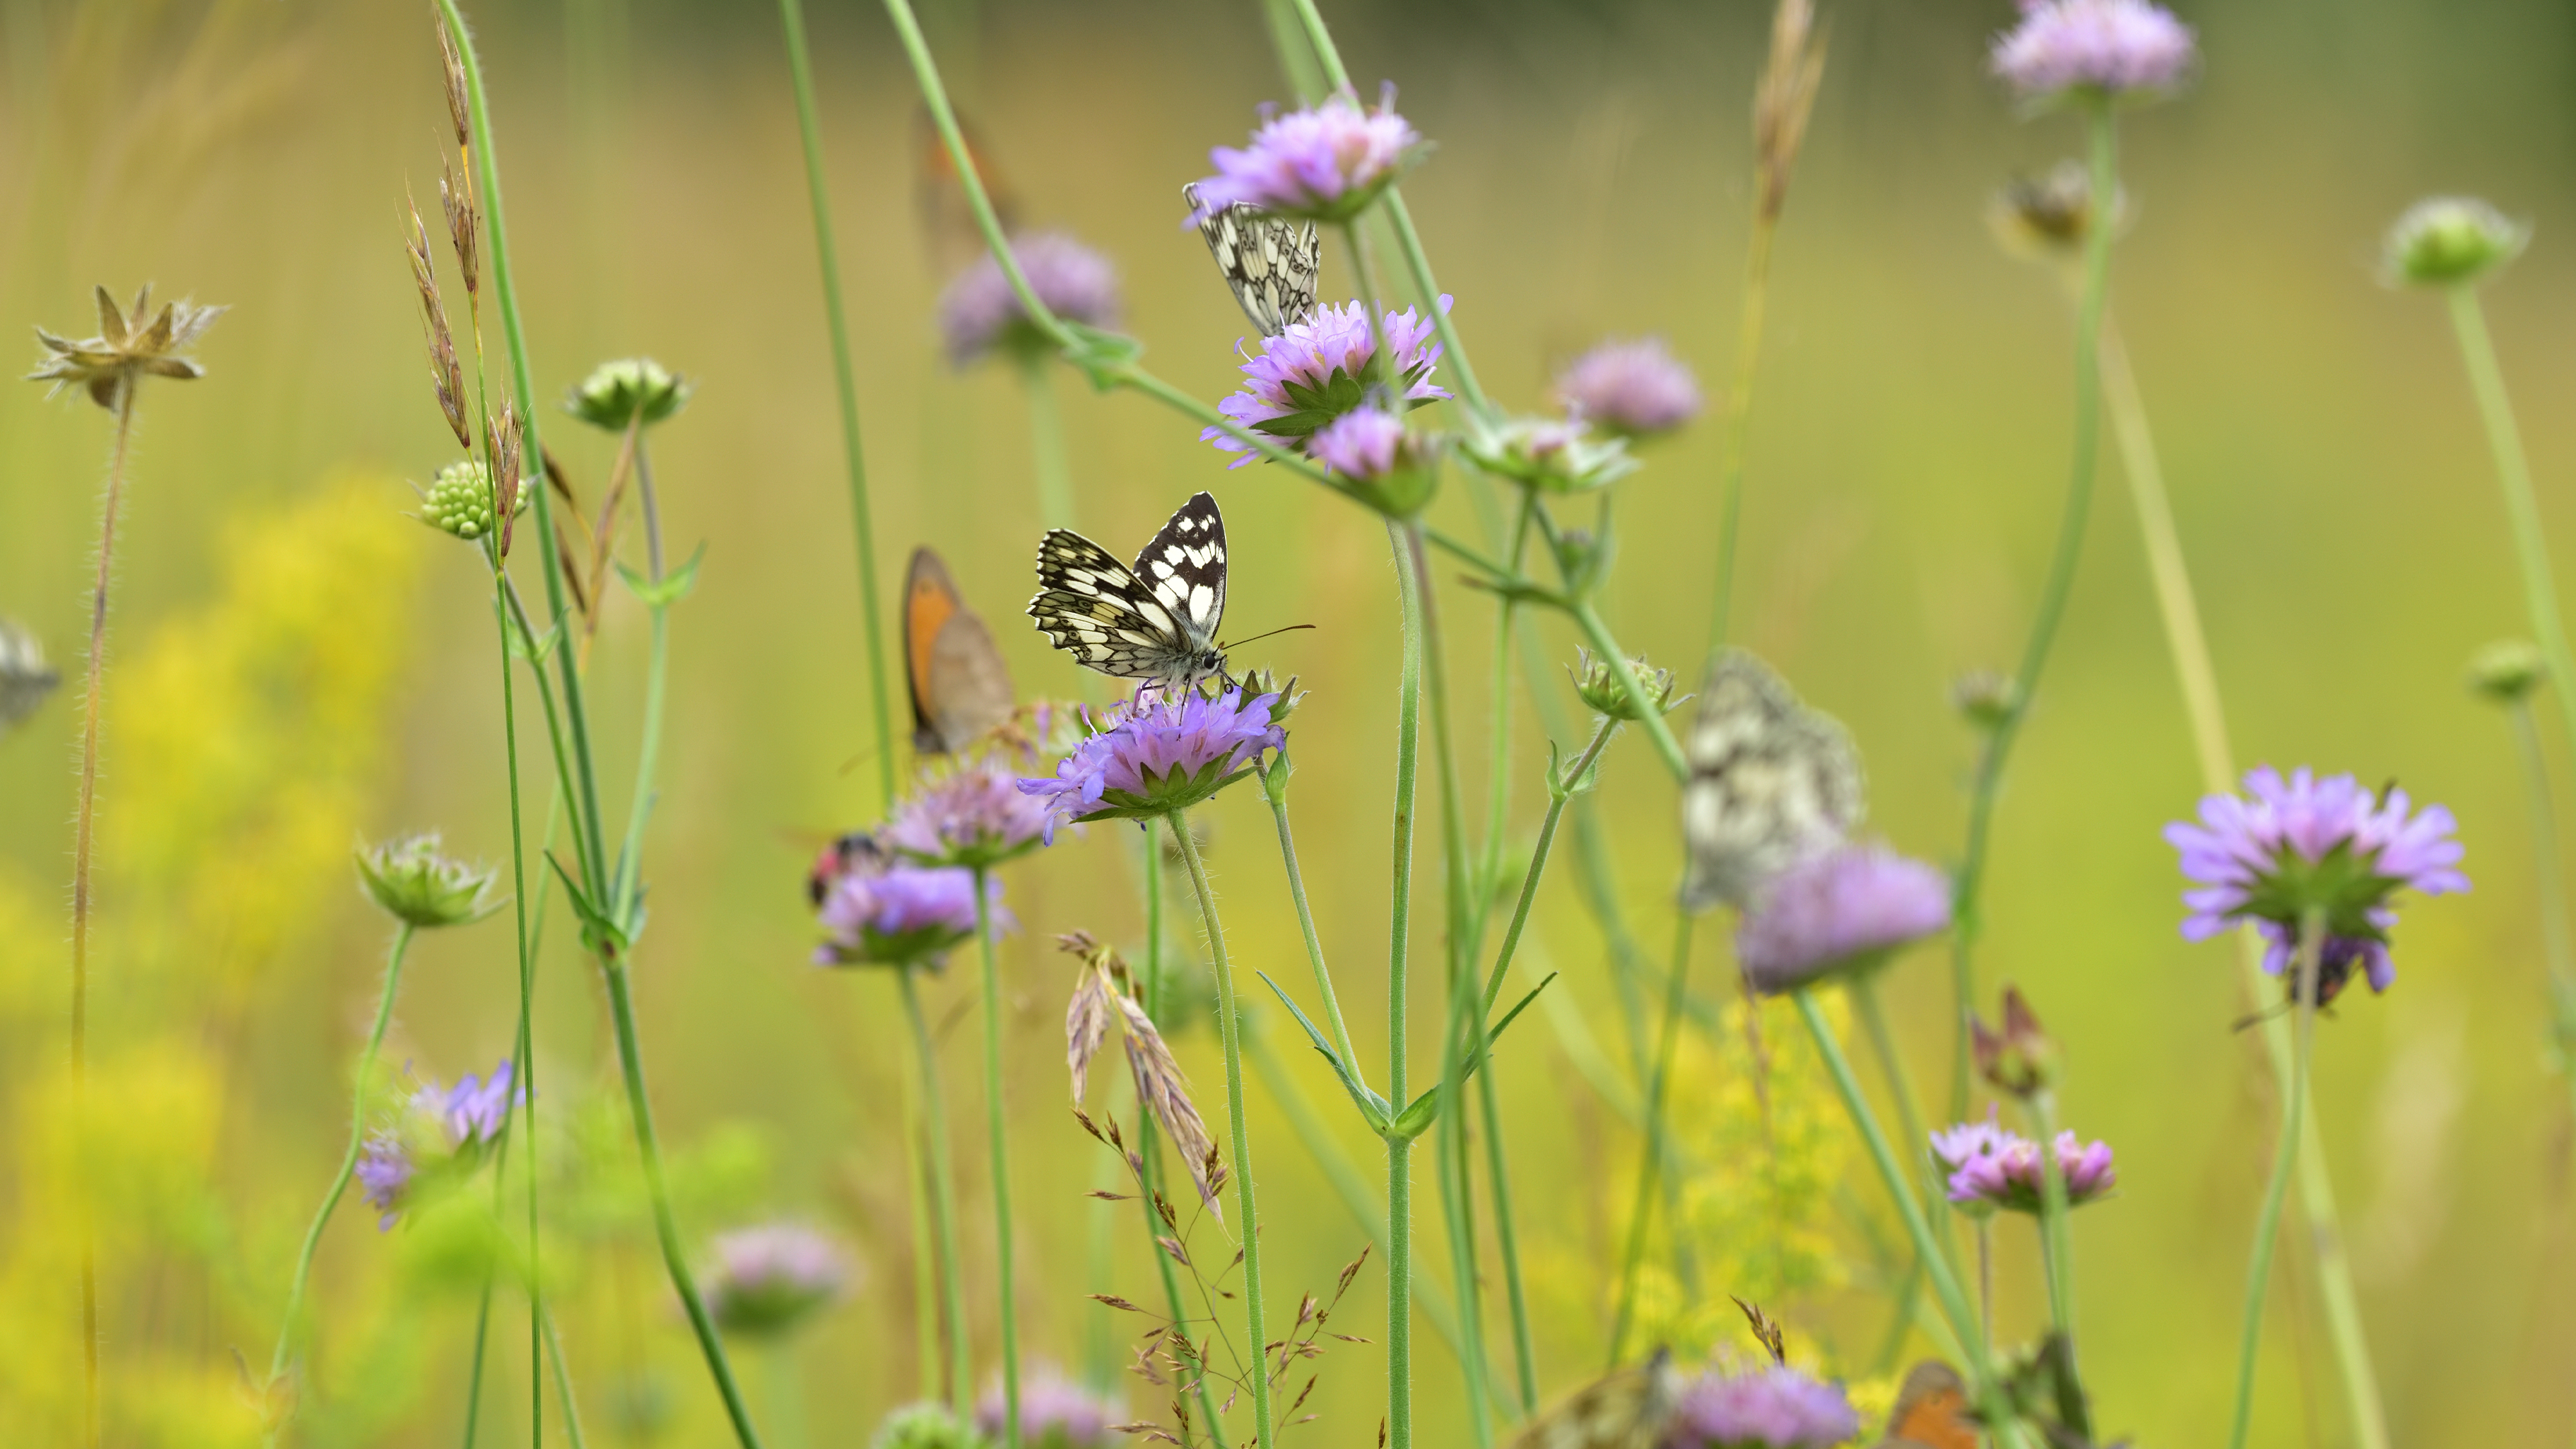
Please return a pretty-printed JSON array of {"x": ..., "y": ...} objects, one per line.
[
  {"x": 1782, "y": 100},
  {"x": 463, "y": 222},
  {"x": 446, "y": 377},
  {"x": 501, "y": 451},
  {"x": 455, "y": 73}
]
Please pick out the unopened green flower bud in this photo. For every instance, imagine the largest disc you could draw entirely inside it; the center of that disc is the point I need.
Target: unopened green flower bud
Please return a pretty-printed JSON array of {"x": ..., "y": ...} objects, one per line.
[
  {"x": 1597, "y": 684},
  {"x": 2448, "y": 240},
  {"x": 925, "y": 1426},
  {"x": 1582, "y": 560},
  {"x": 629, "y": 390},
  {"x": 417, "y": 885},
  {"x": 1558, "y": 455},
  {"x": 459, "y": 500},
  {"x": 1258, "y": 682},
  {"x": 2506, "y": 671},
  {"x": 1985, "y": 699}
]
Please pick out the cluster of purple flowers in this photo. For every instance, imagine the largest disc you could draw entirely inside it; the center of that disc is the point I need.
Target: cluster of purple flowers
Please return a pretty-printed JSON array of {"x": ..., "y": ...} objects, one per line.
[
  {"x": 2101, "y": 47},
  {"x": 904, "y": 894},
  {"x": 1847, "y": 908},
  {"x": 1632, "y": 389},
  {"x": 1055, "y": 1413},
  {"x": 469, "y": 1117},
  {"x": 1991, "y": 1168},
  {"x": 980, "y": 314},
  {"x": 1772, "y": 1407},
  {"x": 770, "y": 1278},
  {"x": 1323, "y": 367},
  {"x": 1159, "y": 754},
  {"x": 2293, "y": 846},
  {"x": 885, "y": 914},
  {"x": 975, "y": 816},
  {"x": 1326, "y": 162}
]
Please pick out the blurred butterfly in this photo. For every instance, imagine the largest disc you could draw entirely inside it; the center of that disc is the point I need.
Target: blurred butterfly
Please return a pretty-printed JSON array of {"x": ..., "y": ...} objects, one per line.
[
  {"x": 947, "y": 218},
  {"x": 25, "y": 678},
  {"x": 1155, "y": 620},
  {"x": 1772, "y": 782},
  {"x": 961, "y": 690},
  {"x": 1630, "y": 1409},
  {"x": 1272, "y": 265},
  {"x": 1931, "y": 1411}
]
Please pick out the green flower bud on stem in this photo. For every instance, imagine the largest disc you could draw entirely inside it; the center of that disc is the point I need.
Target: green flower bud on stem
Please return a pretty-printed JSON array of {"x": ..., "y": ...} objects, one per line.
[
  {"x": 628, "y": 390},
  {"x": 2506, "y": 671},
  {"x": 2446, "y": 241},
  {"x": 1597, "y": 684},
  {"x": 414, "y": 883},
  {"x": 459, "y": 500}
]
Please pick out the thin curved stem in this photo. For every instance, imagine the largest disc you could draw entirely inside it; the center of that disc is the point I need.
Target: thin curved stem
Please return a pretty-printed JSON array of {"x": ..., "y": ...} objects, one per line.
[
  {"x": 2548, "y": 866},
  {"x": 348, "y": 1159},
  {"x": 996, "y": 1125},
  {"x": 2052, "y": 601},
  {"x": 1306, "y": 927},
  {"x": 2267, "y": 1223},
  {"x": 809, "y": 129},
  {"x": 1566, "y": 791},
  {"x": 2057, "y": 1247},
  {"x": 943, "y": 1192},
  {"x": 1739, "y": 411},
  {"x": 1650, "y": 1160},
  {"x": 1399, "y": 1147},
  {"x": 1146, "y": 1153},
  {"x": 1229, "y": 1017}
]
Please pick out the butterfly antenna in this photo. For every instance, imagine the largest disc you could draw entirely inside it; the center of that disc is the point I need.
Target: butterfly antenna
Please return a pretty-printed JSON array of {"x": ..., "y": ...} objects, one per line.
[{"x": 1239, "y": 643}]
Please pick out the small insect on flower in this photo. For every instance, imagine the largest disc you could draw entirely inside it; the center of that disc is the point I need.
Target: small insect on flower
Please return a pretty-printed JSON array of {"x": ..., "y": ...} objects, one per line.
[
  {"x": 1770, "y": 1407},
  {"x": 1316, "y": 370},
  {"x": 1155, "y": 621},
  {"x": 25, "y": 677},
  {"x": 1772, "y": 783},
  {"x": 980, "y": 314},
  {"x": 2101, "y": 50},
  {"x": 961, "y": 690},
  {"x": 2049, "y": 217},
  {"x": 1632, "y": 389},
  {"x": 2289, "y": 848},
  {"x": 1271, "y": 264},
  {"x": 769, "y": 1280},
  {"x": 1325, "y": 163},
  {"x": 126, "y": 348}
]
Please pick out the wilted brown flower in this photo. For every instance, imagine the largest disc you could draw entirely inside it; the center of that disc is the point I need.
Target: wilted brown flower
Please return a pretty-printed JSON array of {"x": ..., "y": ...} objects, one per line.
[
  {"x": 125, "y": 348},
  {"x": 2020, "y": 1060}
]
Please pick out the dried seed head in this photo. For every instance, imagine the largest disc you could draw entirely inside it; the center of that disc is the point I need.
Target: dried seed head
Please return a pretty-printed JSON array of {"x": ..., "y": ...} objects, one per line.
[
  {"x": 446, "y": 378},
  {"x": 1783, "y": 99},
  {"x": 126, "y": 347},
  {"x": 463, "y": 223},
  {"x": 455, "y": 70},
  {"x": 501, "y": 446}
]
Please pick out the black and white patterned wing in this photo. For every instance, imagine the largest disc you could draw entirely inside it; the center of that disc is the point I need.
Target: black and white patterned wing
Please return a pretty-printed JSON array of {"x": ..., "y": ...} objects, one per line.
[
  {"x": 25, "y": 678},
  {"x": 1272, "y": 265},
  {"x": 1095, "y": 608},
  {"x": 1184, "y": 567},
  {"x": 1772, "y": 783}
]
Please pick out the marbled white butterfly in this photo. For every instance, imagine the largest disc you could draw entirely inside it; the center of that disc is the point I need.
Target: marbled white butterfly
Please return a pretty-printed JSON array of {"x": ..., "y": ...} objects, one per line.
[
  {"x": 1772, "y": 783},
  {"x": 1154, "y": 621},
  {"x": 1632, "y": 1408},
  {"x": 1271, "y": 264},
  {"x": 25, "y": 678}
]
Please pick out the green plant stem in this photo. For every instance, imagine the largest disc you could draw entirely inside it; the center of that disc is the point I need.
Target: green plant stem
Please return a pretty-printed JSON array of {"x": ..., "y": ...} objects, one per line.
[
  {"x": 666, "y": 1227},
  {"x": 1296, "y": 58},
  {"x": 1149, "y": 1165},
  {"x": 1739, "y": 411},
  {"x": 474, "y": 1374},
  {"x": 657, "y": 675},
  {"x": 943, "y": 1192},
  {"x": 2199, "y": 680},
  {"x": 1228, "y": 1017},
  {"x": 2267, "y": 1223},
  {"x": 526, "y": 1105},
  {"x": 1986, "y": 1283},
  {"x": 1306, "y": 927},
  {"x": 563, "y": 1378},
  {"x": 348, "y": 1160},
  {"x": 1047, "y": 455},
  {"x": 1458, "y": 1210},
  {"x": 926, "y": 1300},
  {"x": 1650, "y": 1160},
  {"x": 996, "y": 1129},
  {"x": 84, "y": 836},
  {"x": 1983, "y": 1389},
  {"x": 1399, "y": 1148},
  {"x": 2052, "y": 603},
  {"x": 1563, "y": 791},
  {"x": 2057, "y": 1247},
  {"x": 2557, "y": 941},
  {"x": 1498, "y": 748},
  {"x": 1891, "y": 1064},
  {"x": 809, "y": 128}
]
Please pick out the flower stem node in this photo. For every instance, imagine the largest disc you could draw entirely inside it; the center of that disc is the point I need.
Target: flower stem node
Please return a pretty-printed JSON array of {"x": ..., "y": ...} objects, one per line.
[
  {"x": 417, "y": 885},
  {"x": 1985, "y": 699},
  {"x": 1553, "y": 455},
  {"x": 2506, "y": 671},
  {"x": 1597, "y": 685},
  {"x": 2450, "y": 241},
  {"x": 2019, "y": 1061},
  {"x": 1581, "y": 560},
  {"x": 634, "y": 390},
  {"x": 459, "y": 500}
]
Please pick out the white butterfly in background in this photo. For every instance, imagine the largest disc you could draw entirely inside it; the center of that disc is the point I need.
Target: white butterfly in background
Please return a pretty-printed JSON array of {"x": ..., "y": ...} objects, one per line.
[
  {"x": 1272, "y": 265},
  {"x": 25, "y": 678},
  {"x": 1772, "y": 783}
]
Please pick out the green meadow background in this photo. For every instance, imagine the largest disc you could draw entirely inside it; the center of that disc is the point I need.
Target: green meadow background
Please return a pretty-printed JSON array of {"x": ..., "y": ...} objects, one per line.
[{"x": 298, "y": 667}]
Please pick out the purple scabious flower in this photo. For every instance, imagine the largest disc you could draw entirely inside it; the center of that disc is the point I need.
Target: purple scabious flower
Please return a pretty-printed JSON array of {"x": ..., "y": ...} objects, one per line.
[
  {"x": 2106, "y": 48},
  {"x": 1992, "y": 1169},
  {"x": 1361, "y": 445},
  {"x": 1845, "y": 909},
  {"x": 473, "y": 1111},
  {"x": 1774, "y": 1407},
  {"x": 770, "y": 1278},
  {"x": 1635, "y": 389},
  {"x": 384, "y": 1171},
  {"x": 1158, "y": 755},
  {"x": 974, "y": 816},
  {"x": 884, "y": 914},
  {"x": 1055, "y": 1413},
  {"x": 1323, "y": 367},
  {"x": 2288, "y": 847},
  {"x": 979, "y": 313},
  {"x": 1325, "y": 163}
]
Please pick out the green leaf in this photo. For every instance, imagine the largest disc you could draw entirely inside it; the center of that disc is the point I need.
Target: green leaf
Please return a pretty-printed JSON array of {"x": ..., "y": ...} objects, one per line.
[
  {"x": 674, "y": 587},
  {"x": 597, "y": 931},
  {"x": 1372, "y": 1106},
  {"x": 1424, "y": 1110},
  {"x": 545, "y": 646},
  {"x": 1101, "y": 355}
]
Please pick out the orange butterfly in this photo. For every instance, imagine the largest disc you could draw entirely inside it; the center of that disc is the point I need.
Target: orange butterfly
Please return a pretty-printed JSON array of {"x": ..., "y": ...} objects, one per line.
[
  {"x": 947, "y": 219},
  {"x": 961, "y": 690},
  {"x": 1931, "y": 1411}
]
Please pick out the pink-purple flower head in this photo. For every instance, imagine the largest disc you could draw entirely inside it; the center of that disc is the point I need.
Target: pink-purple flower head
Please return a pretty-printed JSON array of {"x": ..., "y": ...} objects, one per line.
[
  {"x": 1324, "y": 367},
  {"x": 771, "y": 1278},
  {"x": 1847, "y": 909},
  {"x": 974, "y": 816},
  {"x": 384, "y": 1175},
  {"x": 2098, "y": 49},
  {"x": 1395, "y": 470},
  {"x": 881, "y": 913},
  {"x": 1773, "y": 1407},
  {"x": 1632, "y": 389},
  {"x": 1992, "y": 1169},
  {"x": 1158, "y": 755},
  {"x": 2289, "y": 848},
  {"x": 980, "y": 314},
  {"x": 1055, "y": 1413},
  {"x": 1325, "y": 163},
  {"x": 473, "y": 1111}
]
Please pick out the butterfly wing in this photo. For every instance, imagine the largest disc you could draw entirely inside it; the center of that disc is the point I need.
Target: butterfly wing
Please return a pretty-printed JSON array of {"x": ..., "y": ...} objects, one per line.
[
  {"x": 961, "y": 689},
  {"x": 1095, "y": 608},
  {"x": 1931, "y": 1411},
  {"x": 1772, "y": 782},
  {"x": 25, "y": 678},
  {"x": 1272, "y": 265},
  {"x": 1184, "y": 566},
  {"x": 939, "y": 193},
  {"x": 1631, "y": 1408}
]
